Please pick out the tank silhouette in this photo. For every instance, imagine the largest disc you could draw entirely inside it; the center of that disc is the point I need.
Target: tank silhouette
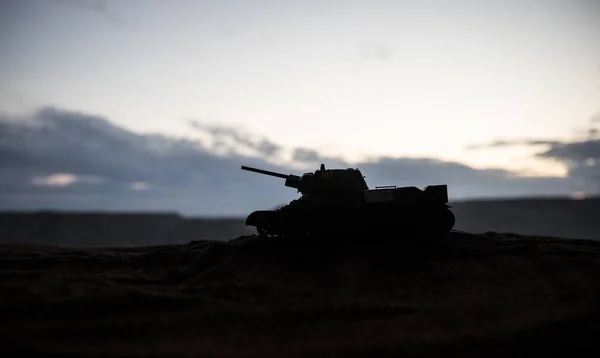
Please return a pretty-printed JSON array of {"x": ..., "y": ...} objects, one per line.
[{"x": 339, "y": 200}]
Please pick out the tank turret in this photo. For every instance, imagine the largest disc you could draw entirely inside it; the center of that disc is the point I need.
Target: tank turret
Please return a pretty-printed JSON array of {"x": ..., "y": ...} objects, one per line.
[
  {"x": 321, "y": 181},
  {"x": 339, "y": 200}
]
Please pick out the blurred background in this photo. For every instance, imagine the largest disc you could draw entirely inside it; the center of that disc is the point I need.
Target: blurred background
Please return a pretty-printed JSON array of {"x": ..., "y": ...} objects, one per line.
[{"x": 154, "y": 105}]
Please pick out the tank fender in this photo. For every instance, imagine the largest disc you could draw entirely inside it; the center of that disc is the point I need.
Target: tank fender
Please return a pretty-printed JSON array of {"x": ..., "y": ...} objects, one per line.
[
  {"x": 437, "y": 192},
  {"x": 253, "y": 218},
  {"x": 260, "y": 217}
]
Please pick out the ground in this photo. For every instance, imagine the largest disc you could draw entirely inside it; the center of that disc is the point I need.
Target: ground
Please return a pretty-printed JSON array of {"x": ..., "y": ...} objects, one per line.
[{"x": 465, "y": 294}]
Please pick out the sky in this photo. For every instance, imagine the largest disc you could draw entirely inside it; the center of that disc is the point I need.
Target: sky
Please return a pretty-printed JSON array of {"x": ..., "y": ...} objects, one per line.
[{"x": 496, "y": 98}]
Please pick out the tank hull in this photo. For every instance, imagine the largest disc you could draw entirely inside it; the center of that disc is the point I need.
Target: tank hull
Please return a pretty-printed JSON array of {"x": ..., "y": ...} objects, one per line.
[{"x": 382, "y": 218}]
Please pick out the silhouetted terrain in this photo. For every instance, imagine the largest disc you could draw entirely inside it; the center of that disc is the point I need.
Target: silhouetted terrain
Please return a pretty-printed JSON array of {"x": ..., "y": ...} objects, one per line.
[
  {"x": 546, "y": 217},
  {"x": 465, "y": 295}
]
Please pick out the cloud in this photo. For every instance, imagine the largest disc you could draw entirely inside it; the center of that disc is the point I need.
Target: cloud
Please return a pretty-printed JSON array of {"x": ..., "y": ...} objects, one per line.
[
  {"x": 582, "y": 159},
  {"x": 49, "y": 158},
  {"x": 377, "y": 52},
  {"x": 64, "y": 179},
  {"x": 305, "y": 155},
  {"x": 513, "y": 142},
  {"x": 235, "y": 140},
  {"x": 59, "y": 159},
  {"x": 99, "y": 7},
  {"x": 581, "y": 156},
  {"x": 464, "y": 181},
  {"x": 60, "y": 179},
  {"x": 140, "y": 185},
  {"x": 93, "y": 5}
]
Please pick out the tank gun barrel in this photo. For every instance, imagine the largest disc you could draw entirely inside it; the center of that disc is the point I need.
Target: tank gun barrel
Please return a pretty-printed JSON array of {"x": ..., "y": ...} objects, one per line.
[
  {"x": 291, "y": 180},
  {"x": 265, "y": 172}
]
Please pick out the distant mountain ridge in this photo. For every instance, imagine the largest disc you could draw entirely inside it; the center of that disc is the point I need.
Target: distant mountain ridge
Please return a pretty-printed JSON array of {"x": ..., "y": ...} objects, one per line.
[
  {"x": 87, "y": 229},
  {"x": 556, "y": 217}
]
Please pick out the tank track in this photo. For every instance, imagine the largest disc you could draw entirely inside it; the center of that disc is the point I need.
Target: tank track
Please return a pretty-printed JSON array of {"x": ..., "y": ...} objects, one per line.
[{"x": 287, "y": 223}]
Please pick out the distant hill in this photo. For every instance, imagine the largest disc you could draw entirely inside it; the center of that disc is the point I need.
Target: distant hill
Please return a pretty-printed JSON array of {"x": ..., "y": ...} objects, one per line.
[
  {"x": 558, "y": 217},
  {"x": 555, "y": 217},
  {"x": 113, "y": 229}
]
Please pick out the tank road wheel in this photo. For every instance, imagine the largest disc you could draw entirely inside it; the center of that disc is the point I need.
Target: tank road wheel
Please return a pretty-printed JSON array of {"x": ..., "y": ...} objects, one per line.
[
  {"x": 450, "y": 220},
  {"x": 441, "y": 224},
  {"x": 265, "y": 222},
  {"x": 262, "y": 232},
  {"x": 268, "y": 233}
]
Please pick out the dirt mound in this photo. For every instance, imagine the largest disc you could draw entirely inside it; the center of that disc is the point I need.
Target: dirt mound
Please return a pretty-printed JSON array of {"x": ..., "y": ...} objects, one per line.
[{"x": 472, "y": 295}]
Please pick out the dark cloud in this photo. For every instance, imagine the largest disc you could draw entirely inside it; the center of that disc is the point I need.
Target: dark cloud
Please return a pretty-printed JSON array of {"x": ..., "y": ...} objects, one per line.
[
  {"x": 71, "y": 160},
  {"x": 513, "y": 142},
  {"x": 93, "y": 5},
  {"x": 575, "y": 151},
  {"x": 100, "y": 7},
  {"x": 234, "y": 137},
  {"x": 464, "y": 182},
  {"x": 302, "y": 154},
  {"x": 581, "y": 156},
  {"x": 312, "y": 158},
  {"x": 179, "y": 174},
  {"x": 582, "y": 159}
]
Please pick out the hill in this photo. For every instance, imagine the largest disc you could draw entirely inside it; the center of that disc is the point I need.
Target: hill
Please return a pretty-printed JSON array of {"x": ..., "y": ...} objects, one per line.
[
  {"x": 543, "y": 217},
  {"x": 463, "y": 295},
  {"x": 91, "y": 229},
  {"x": 560, "y": 217}
]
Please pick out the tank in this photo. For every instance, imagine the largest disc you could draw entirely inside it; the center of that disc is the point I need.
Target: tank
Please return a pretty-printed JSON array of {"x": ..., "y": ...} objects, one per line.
[{"x": 340, "y": 201}]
